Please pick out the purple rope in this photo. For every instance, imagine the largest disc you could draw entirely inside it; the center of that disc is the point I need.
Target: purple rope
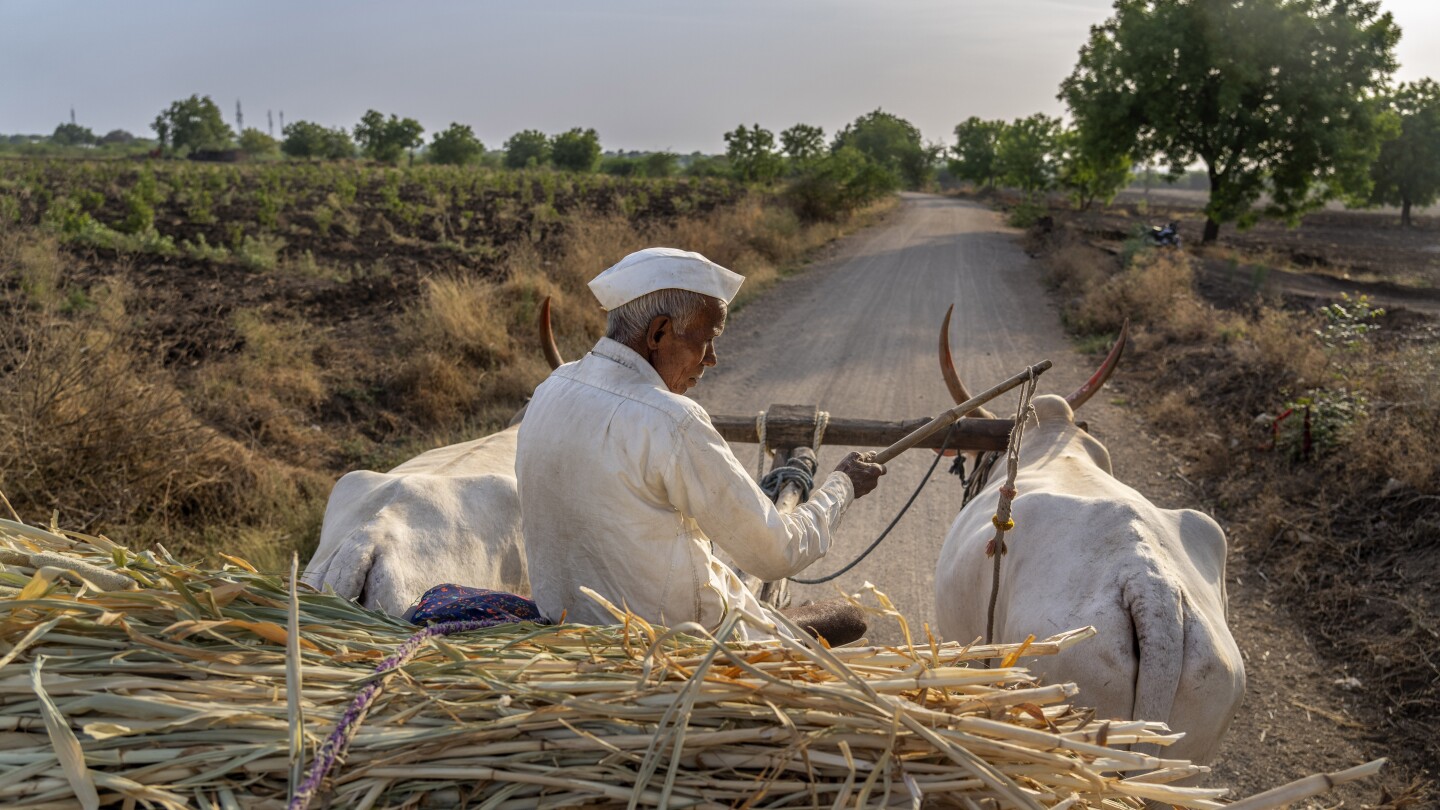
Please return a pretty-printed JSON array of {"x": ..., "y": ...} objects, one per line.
[{"x": 334, "y": 746}]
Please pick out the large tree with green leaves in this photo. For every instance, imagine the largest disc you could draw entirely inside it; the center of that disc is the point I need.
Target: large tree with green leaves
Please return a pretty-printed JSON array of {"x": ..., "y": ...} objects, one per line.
[
  {"x": 752, "y": 155},
  {"x": 974, "y": 153},
  {"x": 527, "y": 148},
  {"x": 576, "y": 151},
  {"x": 1407, "y": 173},
  {"x": 1027, "y": 153},
  {"x": 1087, "y": 171},
  {"x": 1275, "y": 97},
  {"x": 193, "y": 124},
  {"x": 455, "y": 146},
  {"x": 893, "y": 143},
  {"x": 803, "y": 144},
  {"x": 387, "y": 139}
]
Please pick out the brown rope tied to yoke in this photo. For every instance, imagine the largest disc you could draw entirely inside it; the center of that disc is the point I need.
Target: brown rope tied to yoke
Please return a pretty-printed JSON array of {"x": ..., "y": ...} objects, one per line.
[{"x": 995, "y": 549}]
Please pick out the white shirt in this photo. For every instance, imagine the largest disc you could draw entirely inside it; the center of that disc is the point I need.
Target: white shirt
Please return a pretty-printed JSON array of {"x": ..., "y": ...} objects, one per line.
[{"x": 622, "y": 487}]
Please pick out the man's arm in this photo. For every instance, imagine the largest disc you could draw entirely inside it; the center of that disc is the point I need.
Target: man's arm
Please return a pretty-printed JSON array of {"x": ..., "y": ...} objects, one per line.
[{"x": 706, "y": 482}]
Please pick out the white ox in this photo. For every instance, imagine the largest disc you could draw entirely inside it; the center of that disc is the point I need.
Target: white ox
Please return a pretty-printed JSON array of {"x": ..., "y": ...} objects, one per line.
[
  {"x": 1089, "y": 550},
  {"x": 449, "y": 515}
]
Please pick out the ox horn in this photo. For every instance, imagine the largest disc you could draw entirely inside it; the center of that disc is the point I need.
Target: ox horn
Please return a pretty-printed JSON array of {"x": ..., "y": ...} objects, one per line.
[
  {"x": 547, "y": 337},
  {"x": 1079, "y": 397},
  {"x": 947, "y": 368},
  {"x": 1097, "y": 380}
]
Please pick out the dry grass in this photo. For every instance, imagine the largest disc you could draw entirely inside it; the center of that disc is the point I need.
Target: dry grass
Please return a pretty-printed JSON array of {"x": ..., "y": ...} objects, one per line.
[
  {"x": 236, "y": 452},
  {"x": 473, "y": 344},
  {"x": 267, "y": 393},
  {"x": 1349, "y": 531}
]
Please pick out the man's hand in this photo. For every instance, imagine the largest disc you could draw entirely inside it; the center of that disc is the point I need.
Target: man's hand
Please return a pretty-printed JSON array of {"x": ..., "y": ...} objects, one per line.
[{"x": 863, "y": 472}]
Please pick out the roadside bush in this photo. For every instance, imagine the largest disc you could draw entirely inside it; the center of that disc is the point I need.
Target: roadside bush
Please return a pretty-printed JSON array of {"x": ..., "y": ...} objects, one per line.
[
  {"x": 1147, "y": 291},
  {"x": 837, "y": 185}
]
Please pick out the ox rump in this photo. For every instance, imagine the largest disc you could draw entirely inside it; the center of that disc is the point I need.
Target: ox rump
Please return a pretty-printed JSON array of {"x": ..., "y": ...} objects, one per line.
[
  {"x": 1088, "y": 550},
  {"x": 449, "y": 515}
]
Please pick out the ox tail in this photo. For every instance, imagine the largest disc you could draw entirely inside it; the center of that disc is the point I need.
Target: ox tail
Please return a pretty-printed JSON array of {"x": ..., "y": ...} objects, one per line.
[{"x": 1157, "y": 615}]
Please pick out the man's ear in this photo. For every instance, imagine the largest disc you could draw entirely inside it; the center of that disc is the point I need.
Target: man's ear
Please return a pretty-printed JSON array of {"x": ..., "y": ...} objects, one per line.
[{"x": 659, "y": 327}]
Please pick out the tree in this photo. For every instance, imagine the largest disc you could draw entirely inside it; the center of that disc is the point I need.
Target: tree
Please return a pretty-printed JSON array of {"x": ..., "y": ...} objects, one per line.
[
  {"x": 456, "y": 146},
  {"x": 1275, "y": 97},
  {"x": 1027, "y": 155},
  {"x": 803, "y": 144},
  {"x": 386, "y": 139},
  {"x": 751, "y": 152},
  {"x": 891, "y": 142},
  {"x": 193, "y": 124},
  {"x": 1087, "y": 172},
  {"x": 1407, "y": 173},
  {"x": 976, "y": 142},
  {"x": 661, "y": 164},
  {"x": 117, "y": 136},
  {"x": 73, "y": 135},
  {"x": 527, "y": 148},
  {"x": 306, "y": 139},
  {"x": 576, "y": 151},
  {"x": 255, "y": 143}
]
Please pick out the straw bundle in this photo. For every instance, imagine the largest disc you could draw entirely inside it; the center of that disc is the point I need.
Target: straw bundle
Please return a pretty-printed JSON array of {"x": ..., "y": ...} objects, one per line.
[{"x": 136, "y": 679}]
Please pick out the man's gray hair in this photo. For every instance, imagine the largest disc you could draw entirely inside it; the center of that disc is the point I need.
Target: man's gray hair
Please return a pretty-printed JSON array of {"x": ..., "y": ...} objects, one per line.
[{"x": 627, "y": 323}]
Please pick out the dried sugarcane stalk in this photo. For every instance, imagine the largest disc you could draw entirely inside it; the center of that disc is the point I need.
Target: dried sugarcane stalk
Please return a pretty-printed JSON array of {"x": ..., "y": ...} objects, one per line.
[{"x": 175, "y": 695}]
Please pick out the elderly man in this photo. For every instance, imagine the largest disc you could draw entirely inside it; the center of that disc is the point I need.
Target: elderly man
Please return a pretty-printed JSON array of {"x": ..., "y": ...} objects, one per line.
[{"x": 625, "y": 483}]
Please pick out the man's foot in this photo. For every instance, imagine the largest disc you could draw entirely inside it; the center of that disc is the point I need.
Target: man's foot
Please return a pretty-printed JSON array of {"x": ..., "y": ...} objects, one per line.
[{"x": 835, "y": 620}]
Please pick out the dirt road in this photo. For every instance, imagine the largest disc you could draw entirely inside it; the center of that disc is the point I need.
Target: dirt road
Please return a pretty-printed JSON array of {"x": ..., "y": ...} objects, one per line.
[{"x": 856, "y": 335}]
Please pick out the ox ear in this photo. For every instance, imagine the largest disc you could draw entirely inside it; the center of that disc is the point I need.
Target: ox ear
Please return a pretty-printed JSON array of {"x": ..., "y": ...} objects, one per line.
[
  {"x": 547, "y": 337},
  {"x": 957, "y": 388},
  {"x": 1097, "y": 380}
]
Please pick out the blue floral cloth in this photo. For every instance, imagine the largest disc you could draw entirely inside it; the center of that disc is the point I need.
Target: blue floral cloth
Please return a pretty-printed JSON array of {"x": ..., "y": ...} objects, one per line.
[{"x": 453, "y": 603}]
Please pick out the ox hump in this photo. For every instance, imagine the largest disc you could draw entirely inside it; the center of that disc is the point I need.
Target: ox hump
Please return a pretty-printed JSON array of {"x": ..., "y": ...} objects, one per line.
[{"x": 1050, "y": 408}]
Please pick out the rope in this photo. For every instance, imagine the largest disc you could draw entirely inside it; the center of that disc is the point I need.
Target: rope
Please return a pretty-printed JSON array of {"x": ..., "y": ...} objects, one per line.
[
  {"x": 945, "y": 445},
  {"x": 335, "y": 745},
  {"x": 760, "y": 439},
  {"x": 822, "y": 421},
  {"x": 775, "y": 481},
  {"x": 1001, "y": 519}
]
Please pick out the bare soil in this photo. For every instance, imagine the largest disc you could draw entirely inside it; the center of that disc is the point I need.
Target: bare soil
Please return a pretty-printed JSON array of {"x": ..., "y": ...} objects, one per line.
[{"x": 1330, "y": 252}]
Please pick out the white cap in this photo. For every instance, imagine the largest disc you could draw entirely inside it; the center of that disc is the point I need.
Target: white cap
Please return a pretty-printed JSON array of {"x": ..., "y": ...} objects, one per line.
[{"x": 651, "y": 269}]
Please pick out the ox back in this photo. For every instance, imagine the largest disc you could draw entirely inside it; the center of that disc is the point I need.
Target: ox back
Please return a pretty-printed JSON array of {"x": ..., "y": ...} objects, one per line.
[
  {"x": 449, "y": 515},
  {"x": 1089, "y": 550}
]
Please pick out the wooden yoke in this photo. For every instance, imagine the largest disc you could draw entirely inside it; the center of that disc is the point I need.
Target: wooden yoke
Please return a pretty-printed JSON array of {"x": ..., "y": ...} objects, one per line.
[{"x": 786, "y": 428}]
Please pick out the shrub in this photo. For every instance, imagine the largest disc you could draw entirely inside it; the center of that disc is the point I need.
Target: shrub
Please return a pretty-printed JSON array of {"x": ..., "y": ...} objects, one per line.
[
  {"x": 259, "y": 252},
  {"x": 837, "y": 185},
  {"x": 304, "y": 139},
  {"x": 576, "y": 151},
  {"x": 528, "y": 148},
  {"x": 455, "y": 146}
]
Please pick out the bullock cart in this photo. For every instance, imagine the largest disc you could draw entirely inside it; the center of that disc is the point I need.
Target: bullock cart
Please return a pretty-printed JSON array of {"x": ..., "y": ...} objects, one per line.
[{"x": 132, "y": 679}]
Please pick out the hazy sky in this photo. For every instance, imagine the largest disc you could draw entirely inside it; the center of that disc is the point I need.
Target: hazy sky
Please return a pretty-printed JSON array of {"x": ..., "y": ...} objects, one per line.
[{"x": 647, "y": 74}]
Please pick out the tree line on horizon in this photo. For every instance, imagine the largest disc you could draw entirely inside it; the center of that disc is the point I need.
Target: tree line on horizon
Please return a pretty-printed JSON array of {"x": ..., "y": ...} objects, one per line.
[{"x": 1285, "y": 104}]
